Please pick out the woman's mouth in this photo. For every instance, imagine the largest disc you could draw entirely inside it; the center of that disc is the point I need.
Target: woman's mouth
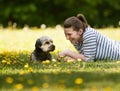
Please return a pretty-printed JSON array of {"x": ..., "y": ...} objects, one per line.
[{"x": 72, "y": 41}]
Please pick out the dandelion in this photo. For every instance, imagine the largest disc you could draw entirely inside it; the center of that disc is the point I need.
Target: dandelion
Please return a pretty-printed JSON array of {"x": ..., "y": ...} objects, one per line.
[
  {"x": 68, "y": 72},
  {"x": 8, "y": 62},
  {"x": 30, "y": 69},
  {"x": 9, "y": 80},
  {"x": 60, "y": 58},
  {"x": 35, "y": 88},
  {"x": 94, "y": 88},
  {"x": 107, "y": 89},
  {"x": 43, "y": 62},
  {"x": 15, "y": 62},
  {"x": 78, "y": 81},
  {"x": 45, "y": 85},
  {"x": 4, "y": 61},
  {"x": 79, "y": 60},
  {"x": 22, "y": 72},
  {"x": 26, "y": 65},
  {"x": 56, "y": 72},
  {"x": 53, "y": 60},
  {"x": 19, "y": 86},
  {"x": 55, "y": 65},
  {"x": 69, "y": 61},
  {"x": 46, "y": 62}
]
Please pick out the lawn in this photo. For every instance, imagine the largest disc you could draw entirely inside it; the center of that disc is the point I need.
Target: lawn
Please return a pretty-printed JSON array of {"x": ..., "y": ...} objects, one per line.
[{"x": 18, "y": 73}]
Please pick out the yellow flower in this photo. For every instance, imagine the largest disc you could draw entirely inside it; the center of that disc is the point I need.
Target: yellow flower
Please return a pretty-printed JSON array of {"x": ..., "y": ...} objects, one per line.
[
  {"x": 78, "y": 81},
  {"x": 94, "y": 88},
  {"x": 22, "y": 72},
  {"x": 19, "y": 86},
  {"x": 108, "y": 89},
  {"x": 4, "y": 61},
  {"x": 53, "y": 60},
  {"x": 69, "y": 61},
  {"x": 30, "y": 69},
  {"x": 43, "y": 62},
  {"x": 79, "y": 60},
  {"x": 26, "y": 65},
  {"x": 60, "y": 58},
  {"x": 56, "y": 72},
  {"x": 45, "y": 85},
  {"x": 54, "y": 65},
  {"x": 46, "y": 62},
  {"x": 35, "y": 88},
  {"x": 68, "y": 72},
  {"x": 8, "y": 62},
  {"x": 15, "y": 62},
  {"x": 9, "y": 80}
]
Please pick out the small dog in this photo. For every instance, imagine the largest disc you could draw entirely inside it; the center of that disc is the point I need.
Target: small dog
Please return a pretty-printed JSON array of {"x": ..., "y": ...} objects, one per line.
[{"x": 43, "y": 46}]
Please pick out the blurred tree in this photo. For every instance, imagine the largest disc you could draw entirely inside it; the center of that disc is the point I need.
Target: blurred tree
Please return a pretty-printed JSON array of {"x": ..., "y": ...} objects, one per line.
[{"x": 99, "y": 13}]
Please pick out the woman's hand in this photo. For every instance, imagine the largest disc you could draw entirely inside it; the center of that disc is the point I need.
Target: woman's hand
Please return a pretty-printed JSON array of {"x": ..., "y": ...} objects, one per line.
[
  {"x": 63, "y": 53},
  {"x": 71, "y": 54}
]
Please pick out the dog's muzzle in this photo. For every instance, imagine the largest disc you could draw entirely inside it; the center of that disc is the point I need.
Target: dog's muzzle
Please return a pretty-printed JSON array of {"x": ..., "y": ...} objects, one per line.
[{"x": 52, "y": 48}]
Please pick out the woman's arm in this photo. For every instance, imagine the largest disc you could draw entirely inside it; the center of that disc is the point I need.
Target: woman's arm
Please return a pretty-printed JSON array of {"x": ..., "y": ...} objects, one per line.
[{"x": 71, "y": 54}]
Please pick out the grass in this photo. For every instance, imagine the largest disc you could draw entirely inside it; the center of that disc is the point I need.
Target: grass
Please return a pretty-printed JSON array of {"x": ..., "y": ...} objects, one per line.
[{"x": 18, "y": 73}]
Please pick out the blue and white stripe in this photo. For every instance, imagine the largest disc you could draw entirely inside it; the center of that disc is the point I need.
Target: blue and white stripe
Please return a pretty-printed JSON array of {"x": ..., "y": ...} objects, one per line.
[{"x": 98, "y": 47}]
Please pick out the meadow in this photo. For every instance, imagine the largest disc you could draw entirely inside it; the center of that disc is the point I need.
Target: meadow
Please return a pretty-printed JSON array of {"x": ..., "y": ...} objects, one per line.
[{"x": 18, "y": 73}]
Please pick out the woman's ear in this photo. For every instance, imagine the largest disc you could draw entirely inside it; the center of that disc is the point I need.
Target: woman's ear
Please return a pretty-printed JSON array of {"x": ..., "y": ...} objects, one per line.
[{"x": 80, "y": 31}]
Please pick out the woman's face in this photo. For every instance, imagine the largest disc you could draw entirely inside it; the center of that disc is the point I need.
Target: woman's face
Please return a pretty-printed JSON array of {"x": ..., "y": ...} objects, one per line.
[{"x": 72, "y": 35}]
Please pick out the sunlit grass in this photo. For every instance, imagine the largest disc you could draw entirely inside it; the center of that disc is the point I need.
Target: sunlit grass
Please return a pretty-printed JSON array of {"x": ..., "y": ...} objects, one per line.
[
  {"x": 111, "y": 33},
  {"x": 25, "y": 40},
  {"x": 18, "y": 73}
]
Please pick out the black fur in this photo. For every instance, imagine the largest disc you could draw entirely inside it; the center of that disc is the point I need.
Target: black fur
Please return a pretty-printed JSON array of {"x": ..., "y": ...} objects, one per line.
[
  {"x": 38, "y": 54},
  {"x": 41, "y": 56}
]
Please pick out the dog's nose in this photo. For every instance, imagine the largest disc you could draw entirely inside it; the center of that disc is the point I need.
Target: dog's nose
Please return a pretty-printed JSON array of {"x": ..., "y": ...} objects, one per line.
[{"x": 52, "y": 47}]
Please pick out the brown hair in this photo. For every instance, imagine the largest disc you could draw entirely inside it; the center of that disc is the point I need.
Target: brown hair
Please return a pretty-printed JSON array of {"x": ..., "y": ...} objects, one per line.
[
  {"x": 83, "y": 19},
  {"x": 78, "y": 22}
]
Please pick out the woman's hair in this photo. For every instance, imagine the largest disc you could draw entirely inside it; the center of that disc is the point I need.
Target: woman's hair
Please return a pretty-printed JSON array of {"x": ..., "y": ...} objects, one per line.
[{"x": 78, "y": 22}]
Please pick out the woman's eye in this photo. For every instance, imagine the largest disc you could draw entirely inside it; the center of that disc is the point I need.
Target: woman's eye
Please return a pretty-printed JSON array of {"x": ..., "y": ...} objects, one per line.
[{"x": 69, "y": 34}]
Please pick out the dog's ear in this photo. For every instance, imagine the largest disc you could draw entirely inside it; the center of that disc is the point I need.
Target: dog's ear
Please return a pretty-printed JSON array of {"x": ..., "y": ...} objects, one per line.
[{"x": 38, "y": 43}]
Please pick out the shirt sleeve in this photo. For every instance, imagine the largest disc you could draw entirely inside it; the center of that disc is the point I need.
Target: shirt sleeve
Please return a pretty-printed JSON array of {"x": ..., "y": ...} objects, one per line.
[{"x": 89, "y": 46}]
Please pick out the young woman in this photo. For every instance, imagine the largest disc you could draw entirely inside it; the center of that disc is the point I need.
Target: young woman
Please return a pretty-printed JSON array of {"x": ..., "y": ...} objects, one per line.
[{"x": 90, "y": 44}]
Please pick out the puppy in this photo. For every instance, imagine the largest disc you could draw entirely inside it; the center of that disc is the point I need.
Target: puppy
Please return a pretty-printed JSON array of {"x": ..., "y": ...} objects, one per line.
[{"x": 43, "y": 46}]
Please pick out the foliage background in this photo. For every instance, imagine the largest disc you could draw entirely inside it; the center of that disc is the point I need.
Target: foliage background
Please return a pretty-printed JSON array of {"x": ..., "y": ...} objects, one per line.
[{"x": 99, "y": 13}]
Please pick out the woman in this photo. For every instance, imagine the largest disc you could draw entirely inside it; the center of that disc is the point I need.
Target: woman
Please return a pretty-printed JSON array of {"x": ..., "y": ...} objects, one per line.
[{"x": 90, "y": 44}]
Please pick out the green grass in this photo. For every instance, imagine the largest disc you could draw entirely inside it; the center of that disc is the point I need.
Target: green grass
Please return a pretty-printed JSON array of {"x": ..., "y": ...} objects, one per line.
[{"x": 18, "y": 73}]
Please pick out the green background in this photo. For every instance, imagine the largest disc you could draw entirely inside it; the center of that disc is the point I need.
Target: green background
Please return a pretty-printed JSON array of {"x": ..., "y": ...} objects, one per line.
[{"x": 99, "y": 13}]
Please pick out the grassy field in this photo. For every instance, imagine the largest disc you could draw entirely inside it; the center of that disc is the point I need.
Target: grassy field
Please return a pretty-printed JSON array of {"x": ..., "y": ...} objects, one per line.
[{"x": 18, "y": 73}]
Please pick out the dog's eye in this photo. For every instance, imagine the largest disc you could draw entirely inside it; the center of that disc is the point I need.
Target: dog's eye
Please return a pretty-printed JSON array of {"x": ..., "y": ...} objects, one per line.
[{"x": 47, "y": 43}]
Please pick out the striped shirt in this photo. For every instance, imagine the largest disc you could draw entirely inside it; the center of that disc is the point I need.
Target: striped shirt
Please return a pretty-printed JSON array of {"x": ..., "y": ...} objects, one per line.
[{"x": 96, "y": 46}]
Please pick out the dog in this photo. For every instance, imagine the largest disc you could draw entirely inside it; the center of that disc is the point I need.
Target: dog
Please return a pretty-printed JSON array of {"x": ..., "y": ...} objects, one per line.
[{"x": 43, "y": 46}]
